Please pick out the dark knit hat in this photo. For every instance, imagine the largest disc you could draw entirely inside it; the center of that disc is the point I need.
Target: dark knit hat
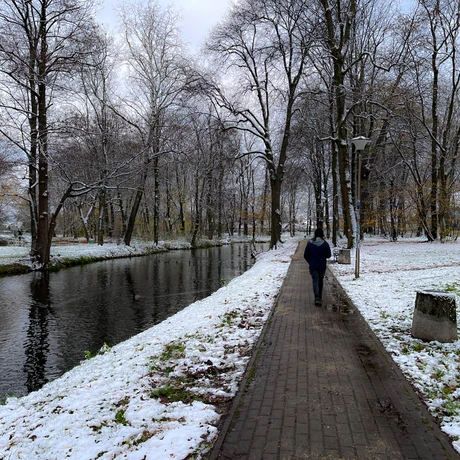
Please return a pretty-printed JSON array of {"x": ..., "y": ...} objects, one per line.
[{"x": 319, "y": 233}]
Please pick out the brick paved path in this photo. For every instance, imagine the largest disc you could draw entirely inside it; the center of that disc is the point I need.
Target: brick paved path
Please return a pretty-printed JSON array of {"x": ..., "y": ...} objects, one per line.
[{"x": 321, "y": 386}]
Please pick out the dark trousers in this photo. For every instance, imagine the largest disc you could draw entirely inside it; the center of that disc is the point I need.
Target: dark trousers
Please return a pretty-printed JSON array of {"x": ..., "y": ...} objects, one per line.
[{"x": 317, "y": 276}]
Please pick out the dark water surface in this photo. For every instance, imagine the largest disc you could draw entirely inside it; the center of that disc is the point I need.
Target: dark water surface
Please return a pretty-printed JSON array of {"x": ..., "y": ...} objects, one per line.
[{"x": 48, "y": 321}]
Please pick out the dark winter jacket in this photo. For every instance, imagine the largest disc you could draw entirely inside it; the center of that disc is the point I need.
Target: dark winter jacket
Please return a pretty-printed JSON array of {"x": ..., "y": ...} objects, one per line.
[{"x": 316, "y": 253}]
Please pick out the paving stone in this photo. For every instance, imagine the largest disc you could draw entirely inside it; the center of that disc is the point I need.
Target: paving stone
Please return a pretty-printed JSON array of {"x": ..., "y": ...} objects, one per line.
[{"x": 323, "y": 387}]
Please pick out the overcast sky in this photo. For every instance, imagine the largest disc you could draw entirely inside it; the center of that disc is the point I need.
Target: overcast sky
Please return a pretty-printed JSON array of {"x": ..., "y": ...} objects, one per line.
[{"x": 199, "y": 17}]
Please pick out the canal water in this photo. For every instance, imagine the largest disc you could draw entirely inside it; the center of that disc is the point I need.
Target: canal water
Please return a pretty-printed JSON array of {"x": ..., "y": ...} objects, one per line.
[{"x": 48, "y": 321}]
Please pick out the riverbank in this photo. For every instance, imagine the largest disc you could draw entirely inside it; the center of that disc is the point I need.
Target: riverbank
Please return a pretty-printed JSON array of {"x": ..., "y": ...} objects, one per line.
[
  {"x": 161, "y": 394},
  {"x": 14, "y": 260}
]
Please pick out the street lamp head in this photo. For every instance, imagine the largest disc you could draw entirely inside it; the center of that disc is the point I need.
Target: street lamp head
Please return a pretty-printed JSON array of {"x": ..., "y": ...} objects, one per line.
[{"x": 360, "y": 142}]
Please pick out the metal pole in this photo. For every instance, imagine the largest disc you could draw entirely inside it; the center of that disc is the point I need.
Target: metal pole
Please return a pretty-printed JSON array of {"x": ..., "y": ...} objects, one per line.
[
  {"x": 359, "y": 143},
  {"x": 358, "y": 218}
]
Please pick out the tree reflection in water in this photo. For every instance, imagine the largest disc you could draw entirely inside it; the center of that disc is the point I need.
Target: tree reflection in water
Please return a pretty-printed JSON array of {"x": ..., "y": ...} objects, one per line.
[
  {"x": 36, "y": 346},
  {"x": 48, "y": 321}
]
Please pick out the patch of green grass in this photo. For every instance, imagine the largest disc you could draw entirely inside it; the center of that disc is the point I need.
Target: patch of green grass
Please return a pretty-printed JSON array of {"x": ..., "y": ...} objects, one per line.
[
  {"x": 155, "y": 367},
  {"x": 454, "y": 287},
  {"x": 174, "y": 393},
  {"x": 88, "y": 354},
  {"x": 104, "y": 349},
  {"x": 120, "y": 417},
  {"x": 173, "y": 351},
  {"x": 418, "y": 347},
  {"x": 439, "y": 374},
  {"x": 446, "y": 391},
  {"x": 13, "y": 269},
  {"x": 431, "y": 394},
  {"x": 384, "y": 315},
  {"x": 229, "y": 317},
  {"x": 451, "y": 408},
  {"x": 4, "y": 399}
]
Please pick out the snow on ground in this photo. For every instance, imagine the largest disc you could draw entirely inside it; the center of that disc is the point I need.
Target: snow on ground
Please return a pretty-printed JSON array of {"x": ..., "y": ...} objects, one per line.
[
  {"x": 390, "y": 276},
  {"x": 93, "y": 252},
  {"x": 59, "y": 253},
  {"x": 157, "y": 395}
]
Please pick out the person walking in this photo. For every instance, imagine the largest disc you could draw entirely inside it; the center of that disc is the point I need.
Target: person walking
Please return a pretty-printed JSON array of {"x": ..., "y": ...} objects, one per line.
[{"x": 316, "y": 253}]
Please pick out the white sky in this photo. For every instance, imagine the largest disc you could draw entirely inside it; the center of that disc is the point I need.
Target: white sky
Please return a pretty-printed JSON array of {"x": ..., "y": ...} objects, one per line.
[{"x": 199, "y": 17}]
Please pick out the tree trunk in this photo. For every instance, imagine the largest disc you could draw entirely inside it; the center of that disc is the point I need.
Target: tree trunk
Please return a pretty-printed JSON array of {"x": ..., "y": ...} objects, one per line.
[
  {"x": 132, "y": 216},
  {"x": 32, "y": 191},
  {"x": 111, "y": 219},
  {"x": 197, "y": 219},
  {"x": 137, "y": 201},
  {"x": 344, "y": 177},
  {"x": 220, "y": 203},
  {"x": 335, "y": 196},
  {"x": 181, "y": 200},
  {"x": 263, "y": 211},
  {"x": 210, "y": 206},
  {"x": 168, "y": 219},
  {"x": 84, "y": 220},
  {"x": 156, "y": 201},
  {"x": 100, "y": 225},
  {"x": 275, "y": 233},
  {"x": 43, "y": 236},
  {"x": 434, "y": 127},
  {"x": 318, "y": 202},
  {"x": 339, "y": 31}
]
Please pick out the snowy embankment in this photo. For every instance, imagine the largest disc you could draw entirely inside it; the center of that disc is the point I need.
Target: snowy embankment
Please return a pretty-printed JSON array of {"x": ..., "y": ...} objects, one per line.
[
  {"x": 158, "y": 395},
  {"x": 390, "y": 276},
  {"x": 73, "y": 253}
]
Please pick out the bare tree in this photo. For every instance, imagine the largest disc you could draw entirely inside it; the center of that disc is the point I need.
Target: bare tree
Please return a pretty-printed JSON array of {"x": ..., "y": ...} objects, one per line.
[
  {"x": 440, "y": 53},
  {"x": 267, "y": 42},
  {"x": 102, "y": 128},
  {"x": 156, "y": 76},
  {"x": 42, "y": 40}
]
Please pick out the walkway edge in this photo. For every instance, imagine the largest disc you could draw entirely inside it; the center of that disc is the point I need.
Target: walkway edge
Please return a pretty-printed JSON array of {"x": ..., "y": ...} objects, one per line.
[
  {"x": 229, "y": 415},
  {"x": 428, "y": 418}
]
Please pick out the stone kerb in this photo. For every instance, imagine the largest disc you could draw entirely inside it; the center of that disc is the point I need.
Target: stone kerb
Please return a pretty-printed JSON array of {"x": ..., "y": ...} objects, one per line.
[{"x": 435, "y": 317}]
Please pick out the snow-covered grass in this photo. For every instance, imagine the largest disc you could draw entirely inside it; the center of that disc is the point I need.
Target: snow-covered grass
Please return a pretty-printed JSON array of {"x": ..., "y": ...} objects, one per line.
[
  {"x": 160, "y": 394},
  {"x": 390, "y": 276},
  {"x": 15, "y": 259},
  {"x": 61, "y": 254}
]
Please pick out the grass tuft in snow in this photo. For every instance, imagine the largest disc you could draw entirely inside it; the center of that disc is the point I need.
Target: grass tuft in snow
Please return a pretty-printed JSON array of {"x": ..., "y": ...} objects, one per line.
[{"x": 13, "y": 269}]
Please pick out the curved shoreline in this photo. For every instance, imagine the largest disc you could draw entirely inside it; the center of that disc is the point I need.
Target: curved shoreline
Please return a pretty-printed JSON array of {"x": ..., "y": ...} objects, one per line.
[{"x": 108, "y": 251}]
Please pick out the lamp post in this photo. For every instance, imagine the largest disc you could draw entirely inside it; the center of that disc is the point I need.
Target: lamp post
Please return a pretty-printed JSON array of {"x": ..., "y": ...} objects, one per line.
[{"x": 360, "y": 144}]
